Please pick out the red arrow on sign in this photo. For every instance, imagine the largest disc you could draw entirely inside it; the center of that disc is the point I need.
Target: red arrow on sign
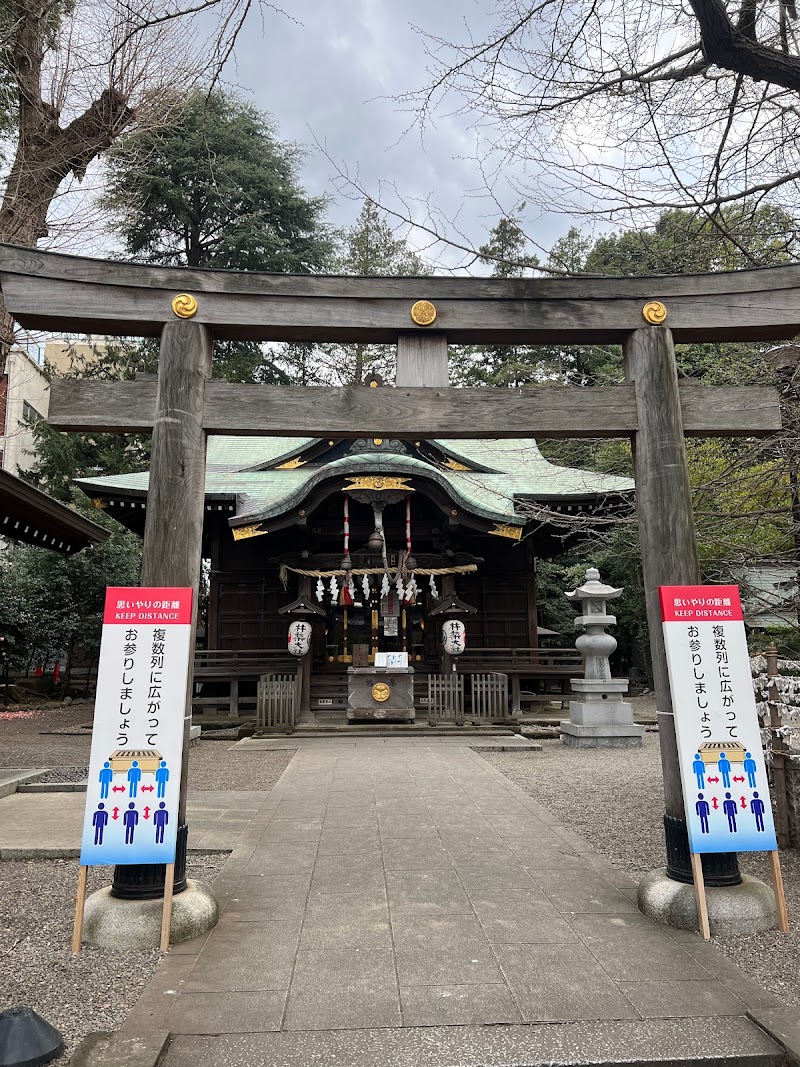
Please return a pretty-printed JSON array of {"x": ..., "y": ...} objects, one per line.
[
  {"x": 744, "y": 802},
  {"x": 715, "y": 802},
  {"x": 736, "y": 778},
  {"x": 115, "y": 813},
  {"x": 149, "y": 788},
  {"x": 146, "y": 812},
  {"x": 118, "y": 789},
  {"x": 713, "y": 779}
]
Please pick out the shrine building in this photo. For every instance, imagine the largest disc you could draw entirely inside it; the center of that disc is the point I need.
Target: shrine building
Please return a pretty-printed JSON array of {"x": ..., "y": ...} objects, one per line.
[{"x": 375, "y": 543}]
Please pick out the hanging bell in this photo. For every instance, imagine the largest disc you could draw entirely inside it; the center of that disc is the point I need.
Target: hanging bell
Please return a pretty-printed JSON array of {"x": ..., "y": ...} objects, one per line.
[
  {"x": 411, "y": 563},
  {"x": 375, "y": 543},
  {"x": 346, "y": 564}
]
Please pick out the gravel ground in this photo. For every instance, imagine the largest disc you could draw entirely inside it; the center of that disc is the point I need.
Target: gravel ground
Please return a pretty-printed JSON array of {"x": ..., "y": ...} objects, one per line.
[
  {"x": 213, "y": 766},
  {"x": 615, "y": 801},
  {"x": 211, "y": 763},
  {"x": 22, "y": 743},
  {"x": 78, "y": 995},
  {"x": 61, "y": 774},
  {"x": 95, "y": 990}
]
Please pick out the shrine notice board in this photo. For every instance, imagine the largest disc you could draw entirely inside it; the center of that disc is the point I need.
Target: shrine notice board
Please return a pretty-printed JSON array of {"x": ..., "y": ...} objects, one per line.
[
  {"x": 723, "y": 774},
  {"x": 132, "y": 794}
]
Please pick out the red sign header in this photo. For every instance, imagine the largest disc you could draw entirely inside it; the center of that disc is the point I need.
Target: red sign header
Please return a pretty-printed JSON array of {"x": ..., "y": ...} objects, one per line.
[
  {"x": 145, "y": 606},
  {"x": 700, "y": 603}
]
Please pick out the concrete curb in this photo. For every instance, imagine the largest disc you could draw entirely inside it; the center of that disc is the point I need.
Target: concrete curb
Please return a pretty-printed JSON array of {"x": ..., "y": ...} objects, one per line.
[
  {"x": 145, "y": 1048},
  {"x": 52, "y": 787},
  {"x": 12, "y": 785},
  {"x": 74, "y": 853},
  {"x": 783, "y": 1027}
]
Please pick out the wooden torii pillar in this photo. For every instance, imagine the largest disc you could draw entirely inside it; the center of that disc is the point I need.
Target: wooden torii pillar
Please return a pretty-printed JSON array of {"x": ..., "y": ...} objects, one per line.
[{"x": 188, "y": 308}]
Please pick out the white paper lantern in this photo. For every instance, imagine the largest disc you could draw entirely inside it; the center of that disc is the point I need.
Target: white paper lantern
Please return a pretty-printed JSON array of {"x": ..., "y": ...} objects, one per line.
[
  {"x": 299, "y": 638},
  {"x": 454, "y": 637}
]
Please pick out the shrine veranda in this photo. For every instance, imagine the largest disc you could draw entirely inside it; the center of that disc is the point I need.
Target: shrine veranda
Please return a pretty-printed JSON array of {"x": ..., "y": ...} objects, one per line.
[{"x": 266, "y": 505}]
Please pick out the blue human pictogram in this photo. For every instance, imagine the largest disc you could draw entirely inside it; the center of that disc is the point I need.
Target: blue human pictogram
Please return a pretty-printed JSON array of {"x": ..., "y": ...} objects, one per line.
[
  {"x": 162, "y": 777},
  {"x": 724, "y": 765},
  {"x": 757, "y": 808},
  {"x": 699, "y": 769},
  {"x": 160, "y": 818},
  {"x": 703, "y": 811},
  {"x": 99, "y": 820},
  {"x": 134, "y": 777},
  {"x": 105, "y": 776},
  {"x": 729, "y": 807},
  {"x": 750, "y": 769},
  {"x": 130, "y": 819}
]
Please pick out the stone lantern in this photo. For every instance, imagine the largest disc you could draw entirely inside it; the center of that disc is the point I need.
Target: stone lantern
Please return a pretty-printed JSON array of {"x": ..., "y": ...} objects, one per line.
[{"x": 598, "y": 716}]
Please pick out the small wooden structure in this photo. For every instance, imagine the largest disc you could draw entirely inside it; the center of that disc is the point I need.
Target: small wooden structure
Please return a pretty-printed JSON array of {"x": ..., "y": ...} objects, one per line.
[{"x": 32, "y": 517}]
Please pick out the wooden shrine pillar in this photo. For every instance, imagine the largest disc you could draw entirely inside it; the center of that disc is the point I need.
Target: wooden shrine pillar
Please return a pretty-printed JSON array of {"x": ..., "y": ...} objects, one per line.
[
  {"x": 173, "y": 531},
  {"x": 669, "y": 557}
]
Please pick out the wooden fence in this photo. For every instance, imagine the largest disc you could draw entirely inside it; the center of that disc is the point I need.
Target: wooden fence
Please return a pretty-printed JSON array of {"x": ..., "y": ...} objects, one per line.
[
  {"x": 446, "y": 697},
  {"x": 277, "y": 702},
  {"x": 489, "y": 696}
]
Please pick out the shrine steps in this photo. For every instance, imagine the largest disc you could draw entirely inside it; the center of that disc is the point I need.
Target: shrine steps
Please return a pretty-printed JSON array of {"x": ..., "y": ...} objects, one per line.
[
  {"x": 706, "y": 1042},
  {"x": 334, "y": 726}
]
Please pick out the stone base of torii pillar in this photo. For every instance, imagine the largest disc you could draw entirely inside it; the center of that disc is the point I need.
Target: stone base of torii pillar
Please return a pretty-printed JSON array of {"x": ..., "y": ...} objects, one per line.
[{"x": 599, "y": 717}]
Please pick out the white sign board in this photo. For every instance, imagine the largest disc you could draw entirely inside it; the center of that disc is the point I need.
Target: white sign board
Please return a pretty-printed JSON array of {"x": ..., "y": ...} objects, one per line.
[
  {"x": 131, "y": 811},
  {"x": 391, "y": 659},
  {"x": 724, "y": 777}
]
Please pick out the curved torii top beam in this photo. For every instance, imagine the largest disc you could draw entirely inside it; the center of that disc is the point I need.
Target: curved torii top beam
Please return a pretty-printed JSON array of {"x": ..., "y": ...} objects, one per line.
[{"x": 44, "y": 290}]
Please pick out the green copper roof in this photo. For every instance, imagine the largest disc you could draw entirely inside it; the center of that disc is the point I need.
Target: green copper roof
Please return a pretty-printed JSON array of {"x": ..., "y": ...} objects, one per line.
[{"x": 507, "y": 470}]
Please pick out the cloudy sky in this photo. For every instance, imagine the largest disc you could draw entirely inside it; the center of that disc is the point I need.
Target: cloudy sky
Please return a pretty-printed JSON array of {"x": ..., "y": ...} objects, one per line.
[{"x": 332, "y": 78}]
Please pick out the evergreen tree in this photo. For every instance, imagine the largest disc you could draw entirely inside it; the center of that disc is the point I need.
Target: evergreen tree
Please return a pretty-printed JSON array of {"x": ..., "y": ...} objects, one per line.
[
  {"x": 369, "y": 248},
  {"x": 476, "y": 365},
  {"x": 217, "y": 188}
]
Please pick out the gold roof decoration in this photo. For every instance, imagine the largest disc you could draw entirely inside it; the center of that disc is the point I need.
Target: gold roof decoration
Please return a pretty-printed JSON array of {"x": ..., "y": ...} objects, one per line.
[
  {"x": 378, "y": 482},
  {"x": 504, "y": 530},
  {"x": 241, "y": 533}
]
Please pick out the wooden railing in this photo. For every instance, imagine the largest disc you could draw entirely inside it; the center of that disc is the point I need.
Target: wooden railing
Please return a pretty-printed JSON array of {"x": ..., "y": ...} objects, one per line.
[
  {"x": 223, "y": 662},
  {"x": 533, "y": 661},
  {"x": 224, "y": 669}
]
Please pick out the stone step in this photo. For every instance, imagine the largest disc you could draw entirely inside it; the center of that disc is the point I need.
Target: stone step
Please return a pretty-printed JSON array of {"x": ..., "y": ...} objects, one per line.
[{"x": 732, "y": 1041}]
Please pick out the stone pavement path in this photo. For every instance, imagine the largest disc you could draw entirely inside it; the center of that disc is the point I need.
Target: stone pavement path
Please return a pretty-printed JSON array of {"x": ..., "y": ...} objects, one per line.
[{"x": 390, "y": 899}]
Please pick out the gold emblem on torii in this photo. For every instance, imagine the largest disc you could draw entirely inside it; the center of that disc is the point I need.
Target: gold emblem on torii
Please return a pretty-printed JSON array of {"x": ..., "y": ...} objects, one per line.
[
  {"x": 184, "y": 306},
  {"x": 655, "y": 312},
  {"x": 423, "y": 312}
]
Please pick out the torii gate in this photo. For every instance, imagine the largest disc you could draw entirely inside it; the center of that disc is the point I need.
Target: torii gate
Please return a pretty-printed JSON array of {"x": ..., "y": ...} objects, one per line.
[{"x": 189, "y": 309}]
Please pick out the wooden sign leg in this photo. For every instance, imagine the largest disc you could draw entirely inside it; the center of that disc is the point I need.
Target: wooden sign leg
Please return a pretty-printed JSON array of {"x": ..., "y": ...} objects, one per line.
[
  {"x": 166, "y": 915},
  {"x": 80, "y": 903},
  {"x": 700, "y": 895},
  {"x": 780, "y": 899}
]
